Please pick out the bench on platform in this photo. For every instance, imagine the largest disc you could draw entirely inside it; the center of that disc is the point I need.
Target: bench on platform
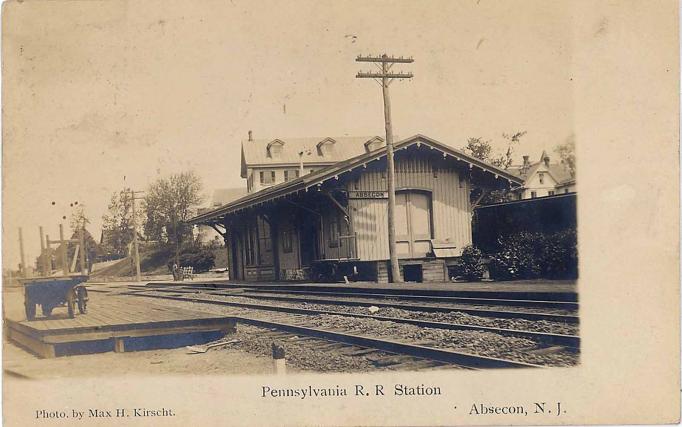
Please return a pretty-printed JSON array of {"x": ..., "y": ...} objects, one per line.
[{"x": 186, "y": 273}]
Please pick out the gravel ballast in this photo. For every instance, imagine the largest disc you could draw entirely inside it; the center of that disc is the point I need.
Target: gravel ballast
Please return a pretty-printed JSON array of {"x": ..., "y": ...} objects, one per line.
[{"x": 472, "y": 342}]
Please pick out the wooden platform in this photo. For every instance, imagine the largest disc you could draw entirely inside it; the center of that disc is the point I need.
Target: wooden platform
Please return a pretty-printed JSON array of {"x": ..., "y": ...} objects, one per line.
[{"x": 116, "y": 323}]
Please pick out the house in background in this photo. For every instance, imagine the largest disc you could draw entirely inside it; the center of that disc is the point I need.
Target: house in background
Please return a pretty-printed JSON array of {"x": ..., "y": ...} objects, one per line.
[
  {"x": 221, "y": 196},
  {"x": 542, "y": 178},
  {"x": 268, "y": 162}
]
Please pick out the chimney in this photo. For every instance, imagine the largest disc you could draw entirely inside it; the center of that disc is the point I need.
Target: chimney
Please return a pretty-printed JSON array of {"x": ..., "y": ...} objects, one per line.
[
  {"x": 250, "y": 136},
  {"x": 526, "y": 165}
]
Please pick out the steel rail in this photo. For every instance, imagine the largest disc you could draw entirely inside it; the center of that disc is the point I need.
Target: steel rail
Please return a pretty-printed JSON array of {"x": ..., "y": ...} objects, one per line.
[
  {"x": 356, "y": 288},
  {"x": 426, "y": 308},
  {"x": 571, "y": 341},
  {"x": 564, "y": 305}
]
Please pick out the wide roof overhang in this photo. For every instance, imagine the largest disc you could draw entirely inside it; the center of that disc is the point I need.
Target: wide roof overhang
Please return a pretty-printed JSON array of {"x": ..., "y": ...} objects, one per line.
[{"x": 334, "y": 171}]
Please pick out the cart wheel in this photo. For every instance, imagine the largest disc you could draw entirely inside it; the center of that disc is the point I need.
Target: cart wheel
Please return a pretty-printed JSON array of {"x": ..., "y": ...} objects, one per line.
[
  {"x": 82, "y": 300},
  {"x": 46, "y": 309},
  {"x": 30, "y": 310},
  {"x": 71, "y": 303}
]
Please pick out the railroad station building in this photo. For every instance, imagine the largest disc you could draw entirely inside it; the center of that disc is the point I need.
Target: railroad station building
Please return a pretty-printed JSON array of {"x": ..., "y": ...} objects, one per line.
[{"x": 332, "y": 222}]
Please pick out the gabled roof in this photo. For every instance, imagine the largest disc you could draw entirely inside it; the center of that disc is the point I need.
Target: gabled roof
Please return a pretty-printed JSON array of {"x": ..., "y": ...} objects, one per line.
[
  {"x": 558, "y": 172},
  {"x": 274, "y": 142},
  {"x": 326, "y": 141},
  {"x": 372, "y": 141},
  {"x": 334, "y": 171},
  {"x": 254, "y": 153}
]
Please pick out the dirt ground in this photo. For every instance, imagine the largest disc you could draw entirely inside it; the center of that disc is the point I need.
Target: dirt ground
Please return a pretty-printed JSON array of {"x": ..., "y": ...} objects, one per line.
[{"x": 18, "y": 362}]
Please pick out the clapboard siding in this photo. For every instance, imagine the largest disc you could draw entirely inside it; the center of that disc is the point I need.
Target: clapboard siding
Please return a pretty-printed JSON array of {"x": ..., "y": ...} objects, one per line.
[{"x": 449, "y": 198}]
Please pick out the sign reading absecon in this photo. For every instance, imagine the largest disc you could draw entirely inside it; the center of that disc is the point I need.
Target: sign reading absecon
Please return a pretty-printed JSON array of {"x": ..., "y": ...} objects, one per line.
[{"x": 368, "y": 194}]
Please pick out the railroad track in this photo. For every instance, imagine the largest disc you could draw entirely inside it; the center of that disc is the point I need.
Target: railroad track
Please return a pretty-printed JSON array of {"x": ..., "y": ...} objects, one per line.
[
  {"x": 460, "y": 359},
  {"x": 351, "y": 301},
  {"x": 560, "y": 305},
  {"x": 508, "y": 302},
  {"x": 358, "y": 355},
  {"x": 293, "y": 320}
]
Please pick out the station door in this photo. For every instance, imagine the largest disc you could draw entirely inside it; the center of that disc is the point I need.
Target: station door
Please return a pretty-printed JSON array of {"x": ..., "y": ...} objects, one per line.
[{"x": 413, "y": 223}]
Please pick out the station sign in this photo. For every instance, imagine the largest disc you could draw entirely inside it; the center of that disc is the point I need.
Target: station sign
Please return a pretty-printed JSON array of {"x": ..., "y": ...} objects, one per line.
[{"x": 368, "y": 194}]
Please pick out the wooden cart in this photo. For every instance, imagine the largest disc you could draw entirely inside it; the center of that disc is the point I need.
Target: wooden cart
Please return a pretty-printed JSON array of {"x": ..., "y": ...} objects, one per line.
[{"x": 51, "y": 292}]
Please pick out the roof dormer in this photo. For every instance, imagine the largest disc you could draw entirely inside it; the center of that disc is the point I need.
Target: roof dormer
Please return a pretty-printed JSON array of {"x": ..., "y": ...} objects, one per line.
[
  {"x": 274, "y": 148},
  {"x": 325, "y": 148},
  {"x": 374, "y": 143}
]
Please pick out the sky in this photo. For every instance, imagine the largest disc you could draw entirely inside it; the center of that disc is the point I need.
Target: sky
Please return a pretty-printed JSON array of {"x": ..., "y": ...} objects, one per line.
[{"x": 102, "y": 94}]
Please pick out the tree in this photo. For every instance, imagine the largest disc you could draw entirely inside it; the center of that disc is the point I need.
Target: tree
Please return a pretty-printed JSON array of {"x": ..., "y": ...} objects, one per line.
[
  {"x": 117, "y": 227},
  {"x": 169, "y": 203},
  {"x": 479, "y": 148},
  {"x": 566, "y": 152},
  {"x": 505, "y": 160},
  {"x": 482, "y": 150},
  {"x": 78, "y": 219}
]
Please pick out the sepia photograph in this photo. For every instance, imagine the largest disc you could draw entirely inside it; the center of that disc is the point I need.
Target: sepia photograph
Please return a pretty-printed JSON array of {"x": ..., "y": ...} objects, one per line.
[{"x": 268, "y": 191}]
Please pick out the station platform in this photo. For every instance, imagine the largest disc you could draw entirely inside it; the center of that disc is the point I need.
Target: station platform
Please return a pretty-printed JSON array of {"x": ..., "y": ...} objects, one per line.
[{"x": 115, "y": 323}]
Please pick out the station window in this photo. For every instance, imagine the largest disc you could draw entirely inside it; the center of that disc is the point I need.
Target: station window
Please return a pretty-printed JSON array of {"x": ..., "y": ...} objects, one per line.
[
  {"x": 251, "y": 244},
  {"x": 287, "y": 241},
  {"x": 264, "y": 242},
  {"x": 566, "y": 191},
  {"x": 533, "y": 194},
  {"x": 334, "y": 232},
  {"x": 542, "y": 178},
  {"x": 550, "y": 193}
]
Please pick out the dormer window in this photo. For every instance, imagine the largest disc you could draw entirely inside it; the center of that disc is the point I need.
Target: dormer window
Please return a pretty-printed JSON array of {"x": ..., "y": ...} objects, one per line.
[
  {"x": 374, "y": 144},
  {"x": 325, "y": 148},
  {"x": 274, "y": 148}
]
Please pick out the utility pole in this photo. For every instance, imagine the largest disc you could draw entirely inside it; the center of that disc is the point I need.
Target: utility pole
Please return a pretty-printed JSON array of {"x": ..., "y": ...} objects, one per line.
[
  {"x": 48, "y": 256},
  {"x": 81, "y": 244},
  {"x": 385, "y": 77},
  {"x": 63, "y": 254},
  {"x": 135, "y": 246},
  {"x": 43, "y": 253},
  {"x": 21, "y": 250}
]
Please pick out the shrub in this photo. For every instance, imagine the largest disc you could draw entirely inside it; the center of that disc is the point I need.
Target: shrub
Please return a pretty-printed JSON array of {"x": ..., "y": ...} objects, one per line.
[
  {"x": 559, "y": 258},
  {"x": 471, "y": 263},
  {"x": 518, "y": 257},
  {"x": 527, "y": 255},
  {"x": 201, "y": 259}
]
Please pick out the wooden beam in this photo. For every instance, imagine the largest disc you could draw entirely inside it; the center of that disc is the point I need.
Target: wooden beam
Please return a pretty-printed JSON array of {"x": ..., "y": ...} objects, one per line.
[
  {"x": 336, "y": 202},
  {"x": 478, "y": 200},
  {"x": 222, "y": 233}
]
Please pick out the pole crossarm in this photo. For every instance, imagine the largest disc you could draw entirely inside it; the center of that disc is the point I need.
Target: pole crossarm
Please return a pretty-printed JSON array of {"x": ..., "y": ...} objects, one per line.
[
  {"x": 371, "y": 75},
  {"x": 384, "y": 58}
]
